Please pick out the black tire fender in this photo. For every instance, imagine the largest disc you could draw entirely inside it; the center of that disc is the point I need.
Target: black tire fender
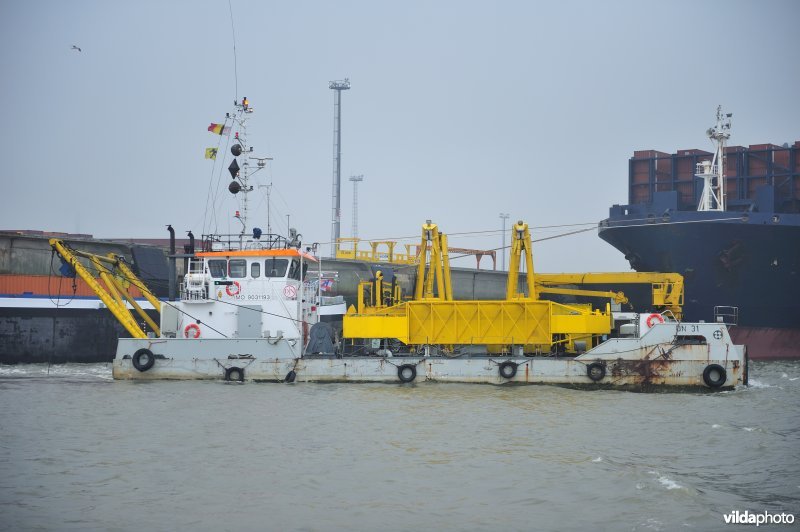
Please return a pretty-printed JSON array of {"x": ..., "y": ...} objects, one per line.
[
  {"x": 714, "y": 375},
  {"x": 291, "y": 376},
  {"x": 596, "y": 371},
  {"x": 147, "y": 355},
  {"x": 407, "y": 372},
  {"x": 508, "y": 369},
  {"x": 234, "y": 374}
]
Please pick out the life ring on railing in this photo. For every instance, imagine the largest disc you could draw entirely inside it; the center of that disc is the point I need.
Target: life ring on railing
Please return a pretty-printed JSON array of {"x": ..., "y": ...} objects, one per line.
[
  {"x": 192, "y": 327},
  {"x": 652, "y": 319},
  {"x": 233, "y": 289}
]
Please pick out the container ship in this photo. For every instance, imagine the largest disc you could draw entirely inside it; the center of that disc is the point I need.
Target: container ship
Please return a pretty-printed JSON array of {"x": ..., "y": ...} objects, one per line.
[{"x": 729, "y": 222}]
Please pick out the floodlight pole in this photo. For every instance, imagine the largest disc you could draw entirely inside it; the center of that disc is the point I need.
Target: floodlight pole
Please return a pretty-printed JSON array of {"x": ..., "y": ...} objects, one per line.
[{"x": 337, "y": 86}]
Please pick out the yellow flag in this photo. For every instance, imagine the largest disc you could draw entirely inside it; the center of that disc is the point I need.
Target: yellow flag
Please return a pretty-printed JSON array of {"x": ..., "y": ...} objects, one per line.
[{"x": 211, "y": 153}]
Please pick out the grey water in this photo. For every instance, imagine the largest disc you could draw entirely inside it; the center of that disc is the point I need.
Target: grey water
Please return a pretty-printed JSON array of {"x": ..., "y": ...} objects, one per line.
[{"x": 80, "y": 451}]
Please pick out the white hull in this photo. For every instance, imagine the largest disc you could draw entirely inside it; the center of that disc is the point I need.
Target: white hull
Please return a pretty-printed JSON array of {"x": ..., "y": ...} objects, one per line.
[{"x": 654, "y": 360}]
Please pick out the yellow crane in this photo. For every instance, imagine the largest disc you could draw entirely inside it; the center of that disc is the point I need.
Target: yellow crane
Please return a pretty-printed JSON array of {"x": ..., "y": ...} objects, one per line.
[
  {"x": 117, "y": 277},
  {"x": 666, "y": 289}
]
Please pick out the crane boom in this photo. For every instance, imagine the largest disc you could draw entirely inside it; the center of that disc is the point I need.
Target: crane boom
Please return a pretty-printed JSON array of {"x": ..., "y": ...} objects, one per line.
[{"x": 117, "y": 276}]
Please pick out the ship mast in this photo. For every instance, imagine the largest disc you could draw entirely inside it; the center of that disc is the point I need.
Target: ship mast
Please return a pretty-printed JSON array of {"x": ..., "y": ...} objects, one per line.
[
  {"x": 241, "y": 174},
  {"x": 713, "y": 172}
]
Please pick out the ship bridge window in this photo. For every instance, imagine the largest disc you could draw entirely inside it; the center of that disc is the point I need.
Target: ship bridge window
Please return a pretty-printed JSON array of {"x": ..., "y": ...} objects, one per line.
[
  {"x": 294, "y": 270},
  {"x": 237, "y": 268},
  {"x": 275, "y": 267},
  {"x": 217, "y": 268},
  {"x": 255, "y": 270}
]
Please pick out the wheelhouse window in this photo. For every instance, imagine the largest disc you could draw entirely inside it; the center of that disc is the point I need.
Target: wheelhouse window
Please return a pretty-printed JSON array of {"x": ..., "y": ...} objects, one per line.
[
  {"x": 275, "y": 267},
  {"x": 255, "y": 270},
  {"x": 294, "y": 270},
  {"x": 217, "y": 268},
  {"x": 237, "y": 268}
]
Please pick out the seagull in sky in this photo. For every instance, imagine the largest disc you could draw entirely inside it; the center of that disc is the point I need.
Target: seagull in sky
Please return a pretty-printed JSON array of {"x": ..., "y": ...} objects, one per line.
[{"x": 76, "y": 48}]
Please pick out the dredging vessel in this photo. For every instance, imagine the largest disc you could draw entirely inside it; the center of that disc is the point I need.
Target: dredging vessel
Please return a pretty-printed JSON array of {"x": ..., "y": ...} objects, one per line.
[
  {"x": 729, "y": 222},
  {"x": 274, "y": 334},
  {"x": 250, "y": 308}
]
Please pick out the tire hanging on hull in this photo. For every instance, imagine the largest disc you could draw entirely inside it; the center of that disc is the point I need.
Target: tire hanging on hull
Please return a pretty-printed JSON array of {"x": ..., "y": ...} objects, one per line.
[
  {"x": 508, "y": 369},
  {"x": 234, "y": 374},
  {"x": 406, "y": 372},
  {"x": 714, "y": 375},
  {"x": 143, "y": 359}
]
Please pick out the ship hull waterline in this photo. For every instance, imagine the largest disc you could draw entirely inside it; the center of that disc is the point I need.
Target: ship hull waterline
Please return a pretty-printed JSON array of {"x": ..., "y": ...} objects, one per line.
[{"x": 626, "y": 363}]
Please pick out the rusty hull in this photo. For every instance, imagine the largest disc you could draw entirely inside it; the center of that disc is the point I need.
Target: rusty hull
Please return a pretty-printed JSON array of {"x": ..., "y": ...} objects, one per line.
[{"x": 661, "y": 359}]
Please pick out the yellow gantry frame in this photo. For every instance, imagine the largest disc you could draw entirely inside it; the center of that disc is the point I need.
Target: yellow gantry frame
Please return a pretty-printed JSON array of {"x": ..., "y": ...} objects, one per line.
[
  {"x": 434, "y": 318},
  {"x": 433, "y": 250},
  {"x": 117, "y": 283},
  {"x": 520, "y": 246}
]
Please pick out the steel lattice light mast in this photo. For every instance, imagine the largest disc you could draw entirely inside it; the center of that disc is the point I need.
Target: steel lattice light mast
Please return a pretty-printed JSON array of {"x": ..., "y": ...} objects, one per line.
[
  {"x": 338, "y": 86},
  {"x": 356, "y": 179}
]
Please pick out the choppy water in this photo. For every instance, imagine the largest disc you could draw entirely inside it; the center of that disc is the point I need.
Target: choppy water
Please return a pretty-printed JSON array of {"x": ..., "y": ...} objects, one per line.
[{"x": 79, "y": 451}]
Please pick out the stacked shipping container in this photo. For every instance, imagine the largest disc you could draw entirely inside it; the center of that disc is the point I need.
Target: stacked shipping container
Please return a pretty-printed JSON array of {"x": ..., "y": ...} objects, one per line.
[{"x": 746, "y": 170}]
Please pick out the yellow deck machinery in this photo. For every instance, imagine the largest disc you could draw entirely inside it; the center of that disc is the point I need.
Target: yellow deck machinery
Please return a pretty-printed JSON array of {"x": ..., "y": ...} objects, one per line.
[
  {"x": 117, "y": 278},
  {"x": 520, "y": 323}
]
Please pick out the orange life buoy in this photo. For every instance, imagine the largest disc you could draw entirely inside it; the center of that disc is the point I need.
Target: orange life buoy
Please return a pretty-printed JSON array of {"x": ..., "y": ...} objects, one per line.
[
  {"x": 233, "y": 289},
  {"x": 653, "y": 318},
  {"x": 192, "y": 327}
]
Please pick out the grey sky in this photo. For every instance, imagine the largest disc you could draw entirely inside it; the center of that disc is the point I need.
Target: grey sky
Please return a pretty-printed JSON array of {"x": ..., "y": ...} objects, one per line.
[{"x": 458, "y": 110}]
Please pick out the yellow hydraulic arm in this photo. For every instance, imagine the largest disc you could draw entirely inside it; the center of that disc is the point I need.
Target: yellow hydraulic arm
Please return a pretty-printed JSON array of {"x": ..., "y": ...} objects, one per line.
[
  {"x": 617, "y": 297},
  {"x": 119, "y": 263},
  {"x": 116, "y": 286},
  {"x": 666, "y": 288}
]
